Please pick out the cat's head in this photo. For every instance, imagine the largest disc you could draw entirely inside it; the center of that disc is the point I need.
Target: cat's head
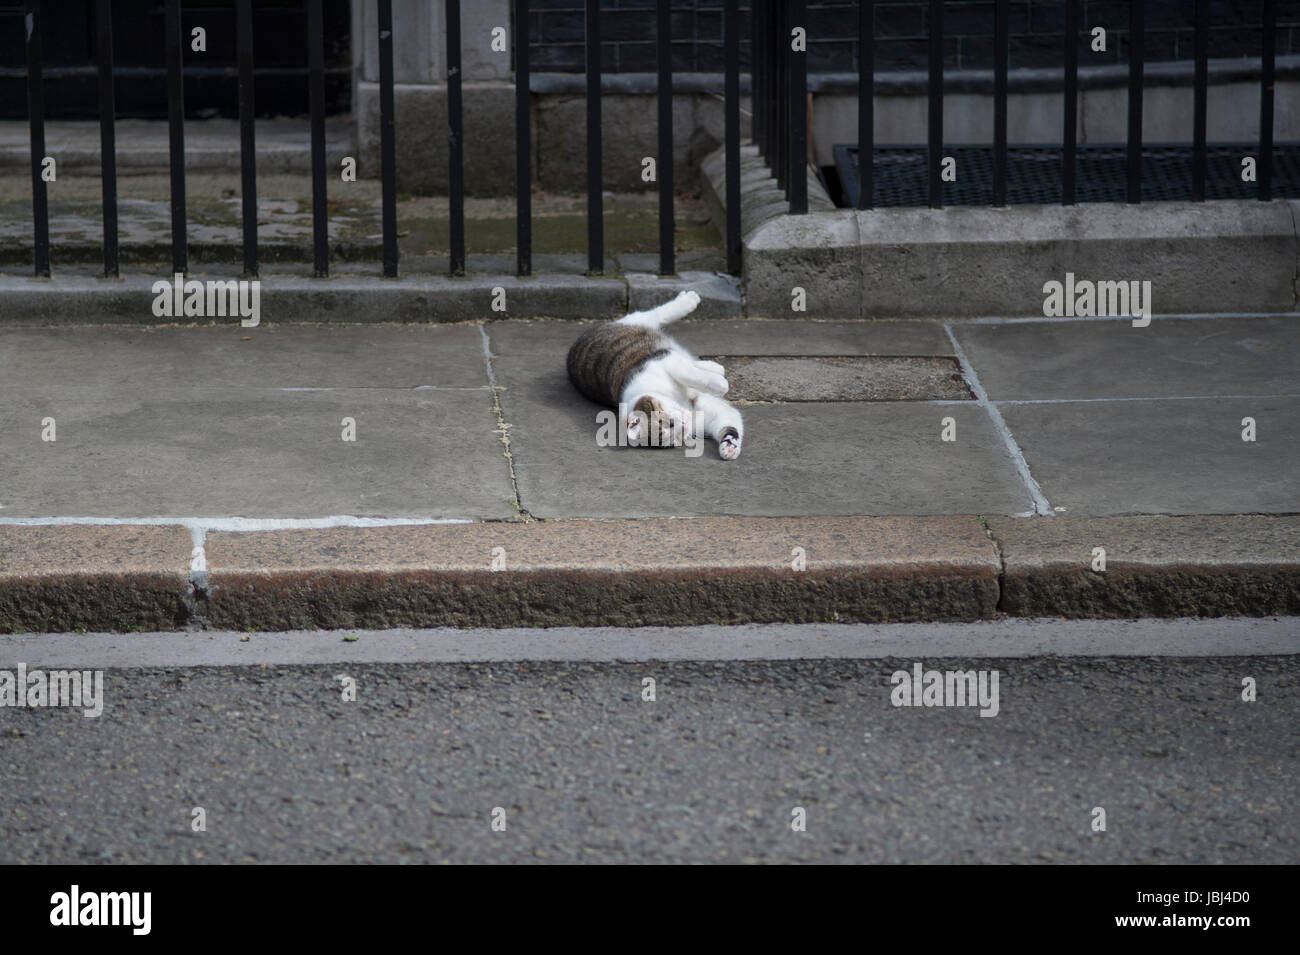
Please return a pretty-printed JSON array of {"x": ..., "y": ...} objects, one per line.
[{"x": 657, "y": 421}]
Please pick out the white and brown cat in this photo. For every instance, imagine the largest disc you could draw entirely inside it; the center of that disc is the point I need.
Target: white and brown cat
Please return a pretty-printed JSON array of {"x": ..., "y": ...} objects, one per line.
[{"x": 665, "y": 395}]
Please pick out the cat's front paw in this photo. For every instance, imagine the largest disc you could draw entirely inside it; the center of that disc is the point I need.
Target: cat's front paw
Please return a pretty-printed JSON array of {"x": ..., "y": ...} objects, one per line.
[{"x": 729, "y": 446}]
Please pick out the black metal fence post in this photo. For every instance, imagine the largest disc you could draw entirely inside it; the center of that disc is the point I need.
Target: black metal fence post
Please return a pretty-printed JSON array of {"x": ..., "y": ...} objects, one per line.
[
  {"x": 866, "y": 102},
  {"x": 176, "y": 134},
  {"x": 1200, "y": 98},
  {"x": 107, "y": 136},
  {"x": 664, "y": 166},
  {"x": 935, "y": 146},
  {"x": 1001, "y": 58},
  {"x": 782, "y": 98},
  {"x": 799, "y": 110},
  {"x": 731, "y": 40},
  {"x": 1137, "y": 48},
  {"x": 595, "y": 200},
  {"x": 316, "y": 82},
  {"x": 757, "y": 62},
  {"x": 1266, "y": 76},
  {"x": 247, "y": 143},
  {"x": 455, "y": 141},
  {"x": 387, "y": 144},
  {"x": 523, "y": 151},
  {"x": 1070, "y": 117},
  {"x": 36, "y": 128}
]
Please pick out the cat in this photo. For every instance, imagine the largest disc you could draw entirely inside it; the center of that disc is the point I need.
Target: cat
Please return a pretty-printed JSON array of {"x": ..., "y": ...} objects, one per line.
[{"x": 664, "y": 394}]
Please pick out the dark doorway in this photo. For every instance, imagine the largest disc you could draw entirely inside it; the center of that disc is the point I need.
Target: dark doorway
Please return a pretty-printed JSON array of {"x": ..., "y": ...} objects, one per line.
[{"x": 139, "y": 56}]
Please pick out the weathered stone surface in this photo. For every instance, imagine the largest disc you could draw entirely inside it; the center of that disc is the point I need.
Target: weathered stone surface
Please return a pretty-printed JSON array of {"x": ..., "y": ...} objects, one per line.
[
  {"x": 818, "y": 253},
  {"x": 976, "y": 261},
  {"x": 588, "y": 573},
  {"x": 420, "y": 130},
  {"x": 93, "y": 577},
  {"x": 1247, "y": 565}
]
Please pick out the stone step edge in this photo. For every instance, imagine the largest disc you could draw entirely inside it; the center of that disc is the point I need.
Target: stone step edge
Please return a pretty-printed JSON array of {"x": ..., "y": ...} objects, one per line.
[{"x": 629, "y": 573}]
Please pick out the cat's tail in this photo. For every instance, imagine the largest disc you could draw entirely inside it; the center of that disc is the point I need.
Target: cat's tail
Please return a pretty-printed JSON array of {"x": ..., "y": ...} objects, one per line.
[{"x": 680, "y": 307}]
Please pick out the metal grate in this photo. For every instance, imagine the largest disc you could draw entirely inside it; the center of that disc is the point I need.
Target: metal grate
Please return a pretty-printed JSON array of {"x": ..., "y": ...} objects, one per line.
[{"x": 1034, "y": 174}]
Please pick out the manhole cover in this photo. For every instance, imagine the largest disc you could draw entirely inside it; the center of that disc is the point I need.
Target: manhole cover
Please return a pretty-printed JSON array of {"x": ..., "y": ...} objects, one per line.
[{"x": 843, "y": 378}]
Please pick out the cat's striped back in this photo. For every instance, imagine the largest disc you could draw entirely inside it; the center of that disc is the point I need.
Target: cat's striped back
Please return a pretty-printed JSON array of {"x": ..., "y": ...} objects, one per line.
[{"x": 605, "y": 356}]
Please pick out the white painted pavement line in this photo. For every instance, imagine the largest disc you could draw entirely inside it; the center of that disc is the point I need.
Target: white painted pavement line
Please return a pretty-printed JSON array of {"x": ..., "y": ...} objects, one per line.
[
  {"x": 1014, "y": 638},
  {"x": 1041, "y": 505},
  {"x": 1080, "y": 401},
  {"x": 200, "y": 526},
  {"x": 487, "y": 356}
]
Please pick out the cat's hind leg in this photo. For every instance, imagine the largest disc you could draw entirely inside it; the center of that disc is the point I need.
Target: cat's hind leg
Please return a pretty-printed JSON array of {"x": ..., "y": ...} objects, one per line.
[
  {"x": 693, "y": 375},
  {"x": 722, "y": 422}
]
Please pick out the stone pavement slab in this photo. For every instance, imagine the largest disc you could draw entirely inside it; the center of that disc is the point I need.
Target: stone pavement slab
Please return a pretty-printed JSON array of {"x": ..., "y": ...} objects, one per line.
[
  {"x": 1162, "y": 457},
  {"x": 809, "y": 459},
  {"x": 265, "y": 453},
  {"x": 1170, "y": 358},
  {"x": 231, "y": 358},
  {"x": 229, "y": 421}
]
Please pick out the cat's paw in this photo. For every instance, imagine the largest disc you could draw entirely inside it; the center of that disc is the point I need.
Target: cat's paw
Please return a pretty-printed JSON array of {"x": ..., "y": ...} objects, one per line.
[
  {"x": 729, "y": 446},
  {"x": 690, "y": 297}
]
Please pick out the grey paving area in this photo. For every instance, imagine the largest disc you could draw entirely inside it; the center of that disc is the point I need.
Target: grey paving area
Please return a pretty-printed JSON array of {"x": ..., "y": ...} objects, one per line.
[
  {"x": 806, "y": 459},
  {"x": 1170, "y": 358},
  {"x": 250, "y": 422},
  {"x": 1114, "y": 419},
  {"x": 227, "y": 421},
  {"x": 1163, "y": 457},
  {"x": 712, "y": 769}
]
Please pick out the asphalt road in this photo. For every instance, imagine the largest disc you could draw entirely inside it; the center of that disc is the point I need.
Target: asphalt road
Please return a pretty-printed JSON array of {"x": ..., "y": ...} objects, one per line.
[{"x": 710, "y": 771}]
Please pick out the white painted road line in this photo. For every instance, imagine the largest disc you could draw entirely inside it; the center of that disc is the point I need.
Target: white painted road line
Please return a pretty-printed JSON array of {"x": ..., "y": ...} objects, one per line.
[{"x": 1229, "y": 636}]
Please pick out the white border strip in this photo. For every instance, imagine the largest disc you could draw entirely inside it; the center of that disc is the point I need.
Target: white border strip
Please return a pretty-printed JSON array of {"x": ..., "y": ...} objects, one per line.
[
  {"x": 993, "y": 639},
  {"x": 200, "y": 526}
]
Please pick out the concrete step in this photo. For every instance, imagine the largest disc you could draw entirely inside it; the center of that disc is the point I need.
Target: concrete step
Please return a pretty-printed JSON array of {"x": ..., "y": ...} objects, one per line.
[{"x": 211, "y": 145}]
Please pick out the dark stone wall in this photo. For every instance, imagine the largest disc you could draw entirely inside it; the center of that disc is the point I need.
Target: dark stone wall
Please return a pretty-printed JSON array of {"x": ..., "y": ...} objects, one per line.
[{"x": 1036, "y": 29}]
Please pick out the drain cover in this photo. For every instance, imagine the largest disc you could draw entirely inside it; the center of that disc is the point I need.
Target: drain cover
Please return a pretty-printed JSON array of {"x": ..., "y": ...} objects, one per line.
[
  {"x": 843, "y": 378},
  {"x": 901, "y": 173}
]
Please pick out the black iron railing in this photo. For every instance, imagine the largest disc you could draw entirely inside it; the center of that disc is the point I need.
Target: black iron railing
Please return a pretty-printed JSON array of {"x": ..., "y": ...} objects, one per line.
[
  {"x": 781, "y": 95},
  {"x": 388, "y": 159},
  {"x": 779, "y": 112}
]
